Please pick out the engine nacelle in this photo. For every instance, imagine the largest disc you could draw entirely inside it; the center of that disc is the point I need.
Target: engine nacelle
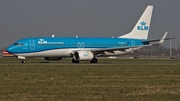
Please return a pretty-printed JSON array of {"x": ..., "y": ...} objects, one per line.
[
  {"x": 52, "y": 58},
  {"x": 83, "y": 55}
]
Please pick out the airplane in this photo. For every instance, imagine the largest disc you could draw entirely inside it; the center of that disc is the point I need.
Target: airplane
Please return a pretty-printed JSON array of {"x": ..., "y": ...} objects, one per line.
[{"x": 79, "y": 49}]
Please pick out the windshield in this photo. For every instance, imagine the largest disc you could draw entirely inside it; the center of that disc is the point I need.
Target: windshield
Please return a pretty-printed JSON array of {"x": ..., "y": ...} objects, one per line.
[{"x": 18, "y": 44}]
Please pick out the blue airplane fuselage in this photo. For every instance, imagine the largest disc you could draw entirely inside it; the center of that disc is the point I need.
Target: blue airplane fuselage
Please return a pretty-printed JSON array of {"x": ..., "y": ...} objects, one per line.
[{"x": 33, "y": 45}]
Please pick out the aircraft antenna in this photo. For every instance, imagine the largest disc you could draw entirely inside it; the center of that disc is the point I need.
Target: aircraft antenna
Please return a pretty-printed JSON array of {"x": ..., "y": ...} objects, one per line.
[
  {"x": 76, "y": 36},
  {"x": 53, "y": 35}
]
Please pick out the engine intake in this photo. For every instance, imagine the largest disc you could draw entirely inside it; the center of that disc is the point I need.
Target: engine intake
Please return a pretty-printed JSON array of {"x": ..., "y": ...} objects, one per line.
[{"x": 83, "y": 55}]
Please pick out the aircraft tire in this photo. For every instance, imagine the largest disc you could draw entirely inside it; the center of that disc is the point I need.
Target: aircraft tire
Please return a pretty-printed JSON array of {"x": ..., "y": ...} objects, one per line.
[
  {"x": 94, "y": 60},
  {"x": 75, "y": 61},
  {"x": 23, "y": 61}
]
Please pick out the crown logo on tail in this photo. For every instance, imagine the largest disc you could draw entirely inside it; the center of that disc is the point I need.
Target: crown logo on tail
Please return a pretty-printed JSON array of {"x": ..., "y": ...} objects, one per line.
[{"x": 143, "y": 23}]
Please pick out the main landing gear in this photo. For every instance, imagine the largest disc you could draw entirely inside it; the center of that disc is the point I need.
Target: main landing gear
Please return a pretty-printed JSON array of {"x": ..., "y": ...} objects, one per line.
[
  {"x": 75, "y": 61},
  {"x": 94, "y": 60}
]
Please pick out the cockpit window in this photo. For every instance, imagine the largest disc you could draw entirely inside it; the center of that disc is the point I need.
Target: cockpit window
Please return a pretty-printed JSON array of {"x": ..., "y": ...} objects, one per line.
[
  {"x": 15, "y": 43},
  {"x": 18, "y": 44}
]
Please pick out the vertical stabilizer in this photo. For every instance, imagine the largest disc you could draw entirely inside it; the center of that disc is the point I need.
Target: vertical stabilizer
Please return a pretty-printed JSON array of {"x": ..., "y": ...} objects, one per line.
[{"x": 141, "y": 29}]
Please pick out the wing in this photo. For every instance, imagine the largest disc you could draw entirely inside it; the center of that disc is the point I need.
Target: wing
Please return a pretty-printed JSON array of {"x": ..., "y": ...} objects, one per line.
[
  {"x": 128, "y": 47},
  {"x": 160, "y": 40},
  {"x": 97, "y": 51},
  {"x": 117, "y": 48}
]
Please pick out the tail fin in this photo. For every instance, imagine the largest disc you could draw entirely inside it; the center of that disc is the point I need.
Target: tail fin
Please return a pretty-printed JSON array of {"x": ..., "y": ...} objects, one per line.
[{"x": 141, "y": 29}]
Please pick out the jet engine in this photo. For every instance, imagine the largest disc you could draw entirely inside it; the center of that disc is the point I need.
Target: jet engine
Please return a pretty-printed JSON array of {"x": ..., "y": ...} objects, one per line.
[
  {"x": 52, "y": 58},
  {"x": 83, "y": 55}
]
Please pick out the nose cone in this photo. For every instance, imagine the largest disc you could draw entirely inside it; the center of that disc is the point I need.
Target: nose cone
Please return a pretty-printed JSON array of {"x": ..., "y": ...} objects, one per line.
[{"x": 10, "y": 49}]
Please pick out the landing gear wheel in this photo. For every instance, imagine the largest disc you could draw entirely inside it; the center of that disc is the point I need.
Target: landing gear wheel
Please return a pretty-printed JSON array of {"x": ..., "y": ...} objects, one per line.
[
  {"x": 75, "y": 61},
  {"x": 94, "y": 60},
  {"x": 23, "y": 61}
]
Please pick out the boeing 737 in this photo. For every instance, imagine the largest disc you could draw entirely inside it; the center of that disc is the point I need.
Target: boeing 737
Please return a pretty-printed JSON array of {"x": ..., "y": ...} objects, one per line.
[{"x": 54, "y": 48}]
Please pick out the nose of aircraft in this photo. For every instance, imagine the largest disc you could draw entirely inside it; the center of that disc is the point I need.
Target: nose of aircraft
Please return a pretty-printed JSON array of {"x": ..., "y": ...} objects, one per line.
[{"x": 10, "y": 49}]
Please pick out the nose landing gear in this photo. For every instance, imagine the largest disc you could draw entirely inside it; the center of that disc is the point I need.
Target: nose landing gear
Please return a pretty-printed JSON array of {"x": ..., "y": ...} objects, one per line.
[{"x": 23, "y": 61}]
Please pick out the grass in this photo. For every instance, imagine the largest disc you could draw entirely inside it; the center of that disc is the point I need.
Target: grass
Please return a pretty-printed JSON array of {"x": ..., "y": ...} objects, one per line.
[{"x": 121, "y": 80}]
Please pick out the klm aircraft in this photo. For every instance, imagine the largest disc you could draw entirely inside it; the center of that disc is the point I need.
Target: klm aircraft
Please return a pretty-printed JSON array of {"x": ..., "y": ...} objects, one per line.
[{"x": 53, "y": 48}]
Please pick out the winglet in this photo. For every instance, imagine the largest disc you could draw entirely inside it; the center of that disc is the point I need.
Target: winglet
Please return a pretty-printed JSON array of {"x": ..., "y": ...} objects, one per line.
[{"x": 162, "y": 39}]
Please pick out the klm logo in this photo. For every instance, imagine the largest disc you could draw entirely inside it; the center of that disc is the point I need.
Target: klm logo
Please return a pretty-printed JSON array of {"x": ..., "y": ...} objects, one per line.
[
  {"x": 85, "y": 54},
  {"x": 42, "y": 41},
  {"x": 143, "y": 26}
]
